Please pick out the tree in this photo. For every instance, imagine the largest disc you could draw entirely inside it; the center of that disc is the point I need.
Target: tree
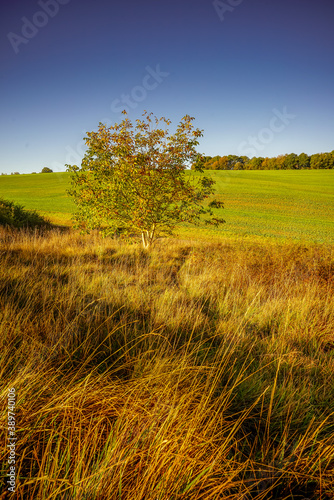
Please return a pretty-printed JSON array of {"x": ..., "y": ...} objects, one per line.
[
  {"x": 205, "y": 161},
  {"x": 136, "y": 179},
  {"x": 255, "y": 163},
  {"x": 304, "y": 160},
  {"x": 223, "y": 163},
  {"x": 291, "y": 161},
  {"x": 321, "y": 160},
  {"x": 280, "y": 162},
  {"x": 266, "y": 164},
  {"x": 46, "y": 170}
]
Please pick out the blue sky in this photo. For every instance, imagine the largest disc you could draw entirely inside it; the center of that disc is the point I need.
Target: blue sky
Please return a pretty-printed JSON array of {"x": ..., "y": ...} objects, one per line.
[{"x": 257, "y": 75}]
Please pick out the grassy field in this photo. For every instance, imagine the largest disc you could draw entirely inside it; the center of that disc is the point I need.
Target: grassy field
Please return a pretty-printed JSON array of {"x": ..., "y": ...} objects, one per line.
[
  {"x": 194, "y": 371},
  {"x": 199, "y": 370},
  {"x": 280, "y": 204},
  {"x": 45, "y": 193},
  {"x": 296, "y": 205}
]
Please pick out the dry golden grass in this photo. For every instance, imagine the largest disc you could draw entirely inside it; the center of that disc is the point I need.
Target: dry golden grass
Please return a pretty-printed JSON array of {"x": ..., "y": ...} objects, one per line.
[{"x": 193, "y": 371}]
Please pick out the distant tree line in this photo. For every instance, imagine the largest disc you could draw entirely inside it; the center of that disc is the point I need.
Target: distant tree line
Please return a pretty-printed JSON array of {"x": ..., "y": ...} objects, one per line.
[
  {"x": 282, "y": 162},
  {"x": 45, "y": 170}
]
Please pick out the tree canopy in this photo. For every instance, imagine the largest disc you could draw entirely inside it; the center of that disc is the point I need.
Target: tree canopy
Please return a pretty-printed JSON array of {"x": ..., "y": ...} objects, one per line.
[
  {"x": 137, "y": 179},
  {"x": 281, "y": 162}
]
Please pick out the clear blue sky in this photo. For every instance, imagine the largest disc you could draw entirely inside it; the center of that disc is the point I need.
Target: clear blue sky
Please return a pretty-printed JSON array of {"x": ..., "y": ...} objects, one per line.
[{"x": 258, "y": 75}]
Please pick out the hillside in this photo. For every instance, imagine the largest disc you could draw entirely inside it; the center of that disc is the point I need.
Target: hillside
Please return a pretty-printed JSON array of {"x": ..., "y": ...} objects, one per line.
[{"x": 297, "y": 205}]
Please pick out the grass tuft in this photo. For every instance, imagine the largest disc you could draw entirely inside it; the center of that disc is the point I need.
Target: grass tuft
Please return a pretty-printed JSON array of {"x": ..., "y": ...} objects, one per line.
[{"x": 197, "y": 370}]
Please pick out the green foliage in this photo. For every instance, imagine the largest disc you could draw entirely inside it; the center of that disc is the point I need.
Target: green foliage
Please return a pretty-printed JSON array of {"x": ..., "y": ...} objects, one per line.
[
  {"x": 254, "y": 163},
  {"x": 132, "y": 179},
  {"x": 230, "y": 162},
  {"x": 291, "y": 161},
  {"x": 322, "y": 160},
  {"x": 304, "y": 160},
  {"x": 14, "y": 215},
  {"x": 46, "y": 170},
  {"x": 282, "y": 162}
]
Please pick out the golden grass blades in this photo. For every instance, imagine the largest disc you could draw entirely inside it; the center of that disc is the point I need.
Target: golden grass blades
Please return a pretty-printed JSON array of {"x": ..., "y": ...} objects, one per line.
[{"x": 198, "y": 370}]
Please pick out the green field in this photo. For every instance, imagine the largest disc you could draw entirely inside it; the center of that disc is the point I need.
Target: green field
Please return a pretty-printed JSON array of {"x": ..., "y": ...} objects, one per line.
[
  {"x": 45, "y": 193},
  {"x": 297, "y": 205},
  {"x": 196, "y": 370},
  {"x": 279, "y": 204}
]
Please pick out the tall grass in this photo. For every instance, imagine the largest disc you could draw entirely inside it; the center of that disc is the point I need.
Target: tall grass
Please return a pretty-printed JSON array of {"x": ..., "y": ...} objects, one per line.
[{"x": 194, "y": 371}]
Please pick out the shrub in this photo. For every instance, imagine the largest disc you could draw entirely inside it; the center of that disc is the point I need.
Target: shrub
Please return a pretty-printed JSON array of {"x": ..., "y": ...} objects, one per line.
[
  {"x": 14, "y": 215},
  {"x": 46, "y": 170}
]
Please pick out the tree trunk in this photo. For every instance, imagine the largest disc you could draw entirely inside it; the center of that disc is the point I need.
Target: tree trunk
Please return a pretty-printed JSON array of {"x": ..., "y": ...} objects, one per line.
[
  {"x": 147, "y": 238},
  {"x": 144, "y": 240}
]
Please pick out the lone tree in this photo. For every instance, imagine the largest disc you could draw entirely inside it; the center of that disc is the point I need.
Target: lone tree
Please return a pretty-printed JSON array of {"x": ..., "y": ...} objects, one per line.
[{"x": 136, "y": 179}]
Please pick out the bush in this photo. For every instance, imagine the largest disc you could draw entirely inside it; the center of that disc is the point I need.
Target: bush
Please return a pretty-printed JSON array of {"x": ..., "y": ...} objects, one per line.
[
  {"x": 14, "y": 215},
  {"x": 46, "y": 170}
]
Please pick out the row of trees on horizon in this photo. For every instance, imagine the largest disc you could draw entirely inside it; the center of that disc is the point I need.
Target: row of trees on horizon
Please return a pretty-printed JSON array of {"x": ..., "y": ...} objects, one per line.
[
  {"x": 290, "y": 161},
  {"x": 281, "y": 162}
]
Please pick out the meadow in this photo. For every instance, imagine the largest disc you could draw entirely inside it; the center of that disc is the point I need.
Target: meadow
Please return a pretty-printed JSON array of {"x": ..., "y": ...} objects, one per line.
[
  {"x": 275, "y": 205},
  {"x": 201, "y": 369},
  {"x": 43, "y": 192}
]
